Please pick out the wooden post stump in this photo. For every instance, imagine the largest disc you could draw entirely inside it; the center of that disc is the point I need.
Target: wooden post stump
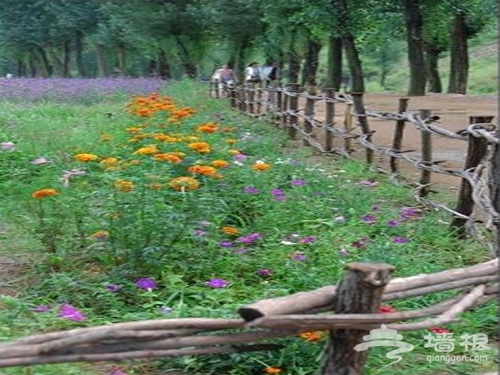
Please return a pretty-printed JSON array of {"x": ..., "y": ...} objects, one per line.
[
  {"x": 329, "y": 120},
  {"x": 425, "y": 177},
  {"x": 293, "y": 108},
  {"x": 359, "y": 108},
  {"x": 308, "y": 122},
  {"x": 476, "y": 152},
  {"x": 359, "y": 292},
  {"x": 398, "y": 135}
]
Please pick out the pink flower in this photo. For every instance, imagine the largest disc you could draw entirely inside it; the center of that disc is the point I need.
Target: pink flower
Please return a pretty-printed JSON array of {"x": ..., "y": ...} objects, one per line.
[
  {"x": 66, "y": 311},
  {"x": 39, "y": 161},
  {"x": 7, "y": 146},
  {"x": 216, "y": 283}
]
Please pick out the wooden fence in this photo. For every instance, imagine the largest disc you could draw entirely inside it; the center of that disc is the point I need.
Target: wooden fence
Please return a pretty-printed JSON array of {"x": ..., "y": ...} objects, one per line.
[
  {"x": 348, "y": 310},
  {"x": 353, "y": 305},
  {"x": 297, "y": 113}
]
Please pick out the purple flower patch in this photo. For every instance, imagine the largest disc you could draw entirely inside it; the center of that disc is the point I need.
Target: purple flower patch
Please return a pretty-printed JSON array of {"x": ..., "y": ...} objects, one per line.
[
  {"x": 226, "y": 244},
  {"x": 41, "y": 309},
  {"x": 66, "y": 311},
  {"x": 400, "y": 240},
  {"x": 265, "y": 272},
  {"x": 250, "y": 238},
  {"x": 250, "y": 190},
  {"x": 299, "y": 257},
  {"x": 113, "y": 287},
  {"x": 308, "y": 239},
  {"x": 146, "y": 284},
  {"x": 216, "y": 283},
  {"x": 369, "y": 219},
  {"x": 298, "y": 182},
  {"x": 393, "y": 223}
]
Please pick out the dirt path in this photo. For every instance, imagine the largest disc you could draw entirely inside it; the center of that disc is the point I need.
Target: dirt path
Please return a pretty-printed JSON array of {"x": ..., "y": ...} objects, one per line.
[{"x": 454, "y": 112}]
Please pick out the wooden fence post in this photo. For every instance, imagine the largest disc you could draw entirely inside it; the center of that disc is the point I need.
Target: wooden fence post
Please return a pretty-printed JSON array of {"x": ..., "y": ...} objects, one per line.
[
  {"x": 476, "y": 151},
  {"x": 359, "y": 108},
  {"x": 242, "y": 95},
  {"x": 309, "y": 120},
  {"x": 398, "y": 135},
  {"x": 278, "y": 105},
  {"x": 293, "y": 120},
  {"x": 494, "y": 185},
  {"x": 329, "y": 120},
  {"x": 285, "y": 106},
  {"x": 258, "y": 89},
  {"x": 251, "y": 98},
  {"x": 348, "y": 127},
  {"x": 359, "y": 292},
  {"x": 425, "y": 177},
  {"x": 233, "y": 98}
]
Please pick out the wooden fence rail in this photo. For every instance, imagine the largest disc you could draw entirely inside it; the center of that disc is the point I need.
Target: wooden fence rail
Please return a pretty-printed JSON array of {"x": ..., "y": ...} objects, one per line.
[
  {"x": 353, "y": 303},
  {"x": 281, "y": 107}
]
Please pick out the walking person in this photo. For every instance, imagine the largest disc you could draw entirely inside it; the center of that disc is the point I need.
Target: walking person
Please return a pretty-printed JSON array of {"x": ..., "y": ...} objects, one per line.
[
  {"x": 224, "y": 78},
  {"x": 252, "y": 73}
]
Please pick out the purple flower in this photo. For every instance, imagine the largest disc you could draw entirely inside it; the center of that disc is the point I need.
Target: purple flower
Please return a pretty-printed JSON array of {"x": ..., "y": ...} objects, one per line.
[
  {"x": 250, "y": 190},
  {"x": 146, "y": 284},
  {"x": 41, "y": 308},
  {"x": 280, "y": 198},
  {"x": 265, "y": 272},
  {"x": 226, "y": 244},
  {"x": 66, "y": 311},
  {"x": 297, "y": 182},
  {"x": 409, "y": 213},
  {"x": 369, "y": 219},
  {"x": 7, "y": 146},
  {"x": 216, "y": 283},
  {"x": 400, "y": 240},
  {"x": 199, "y": 232},
  {"x": 40, "y": 160},
  {"x": 240, "y": 157},
  {"x": 73, "y": 172},
  {"x": 393, "y": 223},
  {"x": 250, "y": 238},
  {"x": 308, "y": 239},
  {"x": 299, "y": 257},
  {"x": 276, "y": 192},
  {"x": 113, "y": 287}
]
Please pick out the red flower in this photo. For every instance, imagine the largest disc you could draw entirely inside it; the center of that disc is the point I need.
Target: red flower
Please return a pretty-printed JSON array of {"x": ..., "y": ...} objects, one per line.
[
  {"x": 383, "y": 309},
  {"x": 439, "y": 330}
]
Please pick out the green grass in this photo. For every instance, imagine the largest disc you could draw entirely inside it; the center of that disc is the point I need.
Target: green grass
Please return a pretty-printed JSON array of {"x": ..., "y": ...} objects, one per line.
[{"x": 175, "y": 238}]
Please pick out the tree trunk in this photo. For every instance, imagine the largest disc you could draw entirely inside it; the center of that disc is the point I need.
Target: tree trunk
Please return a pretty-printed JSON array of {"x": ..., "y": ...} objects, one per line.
[
  {"x": 21, "y": 68},
  {"x": 311, "y": 63},
  {"x": 45, "y": 69},
  {"x": 102, "y": 66},
  {"x": 80, "y": 65},
  {"x": 459, "y": 56},
  {"x": 163, "y": 65},
  {"x": 432, "y": 66},
  {"x": 334, "y": 68},
  {"x": 122, "y": 60},
  {"x": 66, "y": 60},
  {"x": 413, "y": 20},
  {"x": 355, "y": 66},
  {"x": 187, "y": 63}
]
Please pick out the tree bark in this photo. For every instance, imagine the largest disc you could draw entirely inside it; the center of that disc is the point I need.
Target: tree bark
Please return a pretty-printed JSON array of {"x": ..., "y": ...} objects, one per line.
[
  {"x": 102, "y": 66},
  {"x": 459, "y": 56},
  {"x": 80, "y": 65},
  {"x": 432, "y": 60},
  {"x": 413, "y": 20},
  {"x": 334, "y": 68},
  {"x": 66, "y": 59},
  {"x": 311, "y": 63},
  {"x": 355, "y": 66}
]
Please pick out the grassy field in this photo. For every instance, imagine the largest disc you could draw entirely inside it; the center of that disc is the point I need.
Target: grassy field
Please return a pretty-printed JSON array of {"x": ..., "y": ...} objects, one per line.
[{"x": 172, "y": 205}]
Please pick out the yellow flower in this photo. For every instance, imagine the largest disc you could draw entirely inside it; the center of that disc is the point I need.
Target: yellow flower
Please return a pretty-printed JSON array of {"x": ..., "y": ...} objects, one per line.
[
  {"x": 44, "y": 193},
  {"x": 85, "y": 157},
  {"x": 234, "y": 152},
  {"x": 100, "y": 235},
  {"x": 205, "y": 170},
  {"x": 231, "y": 141},
  {"x": 168, "y": 156},
  {"x": 261, "y": 166},
  {"x": 109, "y": 161},
  {"x": 229, "y": 230},
  {"x": 184, "y": 183},
  {"x": 155, "y": 186},
  {"x": 125, "y": 186},
  {"x": 105, "y": 137},
  {"x": 312, "y": 336}
]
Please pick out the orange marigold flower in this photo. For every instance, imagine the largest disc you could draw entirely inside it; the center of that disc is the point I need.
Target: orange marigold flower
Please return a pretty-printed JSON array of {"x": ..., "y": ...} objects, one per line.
[
  {"x": 165, "y": 138},
  {"x": 148, "y": 150},
  {"x": 44, "y": 193},
  {"x": 231, "y": 141},
  {"x": 100, "y": 235},
  {"x": 85, "y": 157},
  {"x": 229, "y": 230},
  {"x": 234, "y": 152},
  {"x": 169, "y": 156},
  {"x": 203, "y": 169},
  {"x": 312, "y": 336},
  {"x": 227, "y": 130},
  {"x": 184, "y": 183},
  {"x": 220, "y": 163},
  {"x": 200, "y": 147},
  {"x": 207, "y": 128},
  {"x": 273, "y": 370},
  {"x": 125, "y": 186},
  {"x": 261, "y": 166},
  {"x": 134, "y": 129},
  {"x": 134, "y": 162}
]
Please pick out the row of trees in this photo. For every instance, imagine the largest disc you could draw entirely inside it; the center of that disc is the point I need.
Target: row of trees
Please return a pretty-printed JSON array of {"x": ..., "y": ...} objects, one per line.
[{"x": 169, "y": 38}]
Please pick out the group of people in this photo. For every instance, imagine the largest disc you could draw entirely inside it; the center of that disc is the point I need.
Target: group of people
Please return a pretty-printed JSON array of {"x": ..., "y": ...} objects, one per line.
[{"x": 226, "y": 78}]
